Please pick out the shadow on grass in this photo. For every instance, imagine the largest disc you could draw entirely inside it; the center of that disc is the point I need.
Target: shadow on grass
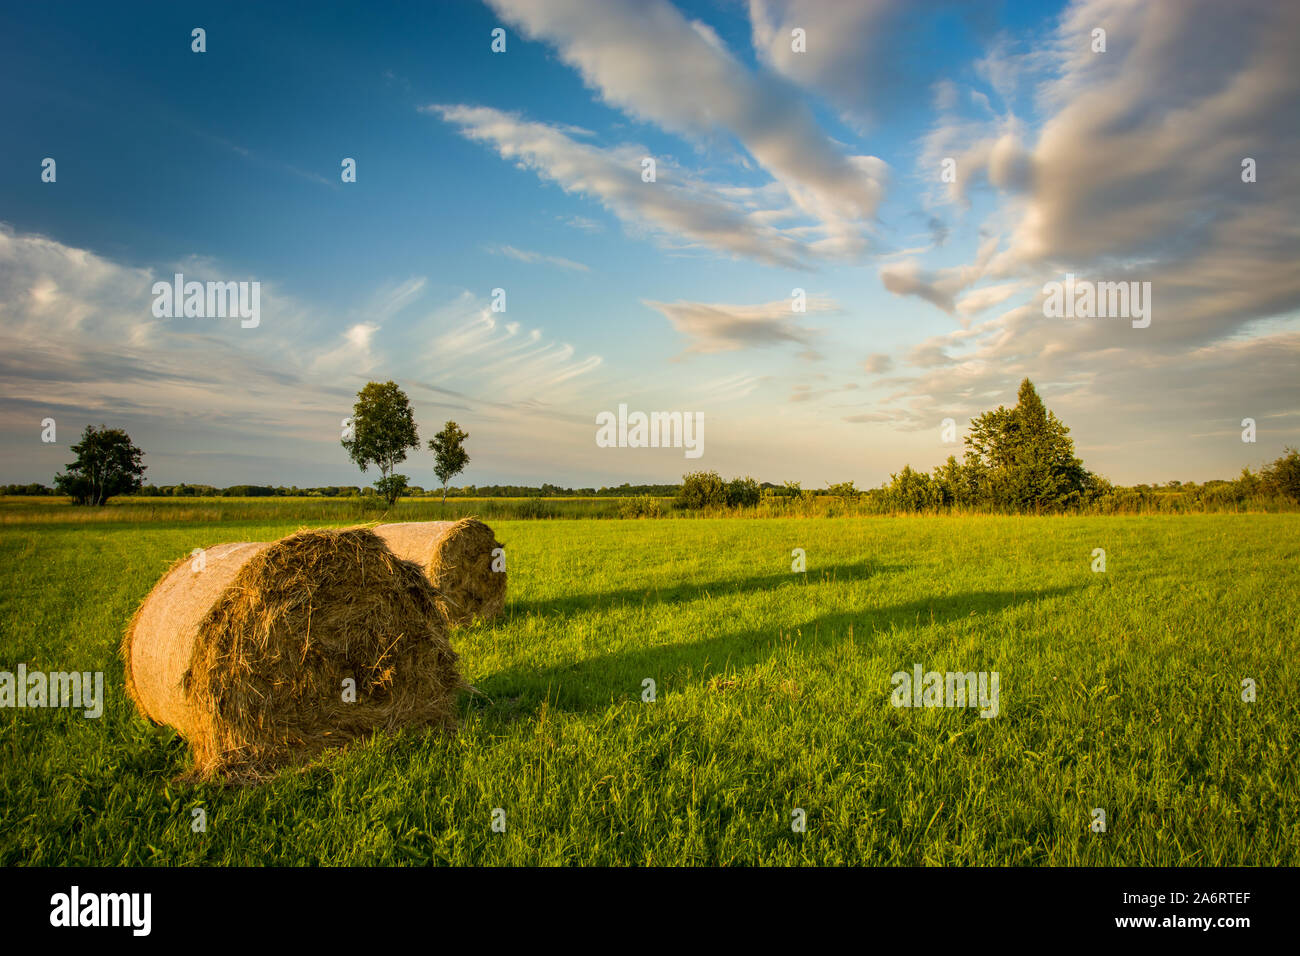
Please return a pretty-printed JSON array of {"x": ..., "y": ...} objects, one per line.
[
  {"x": 596, "y": 683},
  {"x": 690, "y": 591}
]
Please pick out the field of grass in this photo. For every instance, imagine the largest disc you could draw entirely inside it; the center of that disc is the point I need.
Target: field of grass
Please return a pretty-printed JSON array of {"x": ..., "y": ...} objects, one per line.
[
  {"x": 1118, "y": 690},
  {"x": 310, "y": 511}
]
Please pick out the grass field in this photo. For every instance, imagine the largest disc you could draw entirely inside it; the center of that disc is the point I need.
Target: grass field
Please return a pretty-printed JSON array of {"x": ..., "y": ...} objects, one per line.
[
  {"x": 1118, "y": 690},
  {"x": 314, "y": 511}
]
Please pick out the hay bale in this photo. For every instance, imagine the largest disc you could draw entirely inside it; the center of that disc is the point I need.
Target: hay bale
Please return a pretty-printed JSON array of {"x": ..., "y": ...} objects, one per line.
[
  {"x": 246, "y": 658},
  {"x": 457, "y": 556}
]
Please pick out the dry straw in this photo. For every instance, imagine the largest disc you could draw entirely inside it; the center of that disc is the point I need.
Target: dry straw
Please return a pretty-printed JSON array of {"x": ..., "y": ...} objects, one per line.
[
  {"x": 457, "y": 556},
  {"x": 247, "y": 657}
]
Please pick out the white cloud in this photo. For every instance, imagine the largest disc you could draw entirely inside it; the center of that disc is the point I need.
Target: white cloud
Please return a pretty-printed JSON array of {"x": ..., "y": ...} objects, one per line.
[
  {"x": 352, "y": 356},
  {"x": 731, "y": 387},
  {"x": 844, "y": 51},
  {"x": 474, "y": 350},
  {"x": 618, "y": 47},
  {"x": 716, "y": 327},
  {"x": 977, "y": 300},
  {"x": 877, "y": 363},
  {"x": 524, "y": 255},
  {"x": 1133, "y": 174},
  {"x": 939, "y": 287},
  {"x": 78, "y": 341},
  {"x": 677, "y": 208}
]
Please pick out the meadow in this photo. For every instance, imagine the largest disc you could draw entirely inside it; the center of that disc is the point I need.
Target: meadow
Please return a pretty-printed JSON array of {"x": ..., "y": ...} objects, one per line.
[
  {"x": 303, "y": 511},
  {"x": 1119, "y": 690}
]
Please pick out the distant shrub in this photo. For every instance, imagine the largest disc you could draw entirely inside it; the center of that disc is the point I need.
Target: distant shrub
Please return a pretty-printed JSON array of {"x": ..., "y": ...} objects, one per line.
[
  {"x": 642, "y": 506},
  {"x": 702, "y": 489},
  {"x": 249, "y": 491},
  {"x": 1283, "y": 476},
  {"x": 390, "y": 488},
  {"x": 34, "y": 489},
  {"x": 743, "y": 493},
  {"x": 843, "y": 489},
  {"x": 911, "y": 491},
  {"x": 536, "y": 508}
]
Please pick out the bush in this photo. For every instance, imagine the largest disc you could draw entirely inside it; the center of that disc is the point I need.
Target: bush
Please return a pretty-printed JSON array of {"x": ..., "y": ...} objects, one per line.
[
  {"x": 702, "y": 489},
  {"x": 390, "y": 488},
  {"x": 536, "y": 508},
  {"x": 743, "y": 493},
  {"x": 33, "y": 489},
  {"x": 373, "y": 503},
  {"x": 843, "y": 489},
  {"x": 911, "y": 491},
  {"x": 642, "y": 506},
  {"x": 1283, "y": 476}
]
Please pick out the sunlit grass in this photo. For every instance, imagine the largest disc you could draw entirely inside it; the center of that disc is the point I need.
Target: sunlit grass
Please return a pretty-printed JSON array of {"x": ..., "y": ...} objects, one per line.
[{"x": 1119, "y": 691}]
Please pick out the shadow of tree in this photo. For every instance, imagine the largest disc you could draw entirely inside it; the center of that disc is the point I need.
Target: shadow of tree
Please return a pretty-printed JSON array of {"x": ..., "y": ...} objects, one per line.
[
  {"x": 690, "y": 591},
  {"x": 595, "y": 683}
]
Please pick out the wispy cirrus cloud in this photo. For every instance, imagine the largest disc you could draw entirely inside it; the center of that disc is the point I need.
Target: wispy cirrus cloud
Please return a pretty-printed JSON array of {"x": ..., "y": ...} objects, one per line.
[
  {"x": 535, "y": 258},
  {"x": 617, "y": 47},
  {"x": 78, "y": 340},
  {"x": 1133, "y": 172},
  {"x": 846, "y": 47},
  {"x": 478, "y": 351},
  {"x": 680, "y": 210},
  {"x": 716, "y": 327},
  {"x": 731, "y": 387}
]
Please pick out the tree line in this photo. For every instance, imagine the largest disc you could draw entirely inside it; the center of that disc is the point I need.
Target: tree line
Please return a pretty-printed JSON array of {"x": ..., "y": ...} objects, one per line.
[
  {"x": 1021, "y": 459},
  {"x": 1018, "y": 459}
]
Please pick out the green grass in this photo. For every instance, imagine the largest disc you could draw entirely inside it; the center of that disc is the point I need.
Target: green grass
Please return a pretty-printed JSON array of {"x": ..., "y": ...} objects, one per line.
[
  {"x": 1118, "y": 690},
  {"x": 315, "y": 511}
]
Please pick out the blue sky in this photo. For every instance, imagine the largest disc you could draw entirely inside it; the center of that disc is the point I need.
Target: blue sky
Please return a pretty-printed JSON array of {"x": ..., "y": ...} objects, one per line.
[{"x": 520, "y": 170}]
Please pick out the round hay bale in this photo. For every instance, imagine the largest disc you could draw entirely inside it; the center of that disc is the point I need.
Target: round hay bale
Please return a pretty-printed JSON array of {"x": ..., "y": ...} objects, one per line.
[
  {"x": 246, "y": 657},
  {"x": 457, "y": 556}
]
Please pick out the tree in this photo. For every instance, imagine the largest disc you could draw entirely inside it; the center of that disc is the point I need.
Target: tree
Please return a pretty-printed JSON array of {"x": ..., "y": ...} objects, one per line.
[
  {"x": 742, "y": 493},
  {"x": 703, "y": 489},
  {"x": 1024, "y": 456},
  {"x": 383, "y": 428},
  {"x": 911, "y": 490},
  {"x": 107, "y": 464},
  {"x": 952, "y": 483},
  {"x": 1283, "y": 476},
  {"x": 450, "y": 457},
  {"x": 842, "y": 489}
]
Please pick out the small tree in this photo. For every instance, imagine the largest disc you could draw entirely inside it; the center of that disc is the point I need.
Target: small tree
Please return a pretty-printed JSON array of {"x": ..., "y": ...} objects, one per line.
[
  {"x": 911, "y": 490},
  {"x": 950, "y": 482},
  {"x": 383, "y": 428},
  {"x": 1283, "y": 476},
  {"x": 107, "y": 464},
  {"x": 842, "y": 489},
  {"x": 450, "y": 457},
  {"x": 743, "y": 493},
  {"x": 703, "y": 489}
]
